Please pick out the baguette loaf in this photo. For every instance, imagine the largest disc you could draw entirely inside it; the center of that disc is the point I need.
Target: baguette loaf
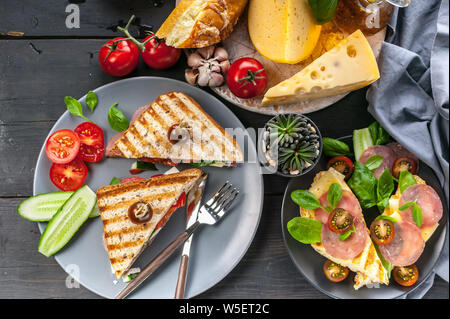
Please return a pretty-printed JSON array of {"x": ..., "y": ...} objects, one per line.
[{"x": 201, "y": 23}]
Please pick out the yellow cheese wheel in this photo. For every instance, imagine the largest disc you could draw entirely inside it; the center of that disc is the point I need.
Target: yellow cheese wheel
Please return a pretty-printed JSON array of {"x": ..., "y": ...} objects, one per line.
[{"x": 283, "y": 31}]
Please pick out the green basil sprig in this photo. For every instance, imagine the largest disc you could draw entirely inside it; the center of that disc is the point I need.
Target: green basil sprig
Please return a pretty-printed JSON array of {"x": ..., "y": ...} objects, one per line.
[
  {"x": 333, "y": 147},
  {"x": 392, "y": 219},
  {"x": 346, "y": 235},
  {"x": 91, "y": 100},
  {"x": 379, "y": 135},
  {"x": 416, "y": 212},
  {"x": 323, "y": 10},
  {"x": 374, "y": 162},
  {"x": 405, "y": 180},
  {"x": 74, "y": 107},
  {"x": 116, "y": 119},
  {"x": 307, "y": 199},
  {"x": 115, "y": 181},
  {"x": 305, "y": 230},
  {"x": 385, "y": 188}
]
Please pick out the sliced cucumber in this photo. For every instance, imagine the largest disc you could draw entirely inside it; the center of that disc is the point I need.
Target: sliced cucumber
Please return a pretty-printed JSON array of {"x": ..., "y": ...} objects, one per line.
[
  {"x": 41, "y": 208},
  {"x": 362, "y": 140},
  {"x": 143, "y": 165},
  {"x": 67, "y": 221}
]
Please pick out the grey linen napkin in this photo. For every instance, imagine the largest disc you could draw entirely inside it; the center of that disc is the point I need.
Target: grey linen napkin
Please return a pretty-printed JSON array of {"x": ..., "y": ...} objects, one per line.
[{"x": 411, "y": 100}]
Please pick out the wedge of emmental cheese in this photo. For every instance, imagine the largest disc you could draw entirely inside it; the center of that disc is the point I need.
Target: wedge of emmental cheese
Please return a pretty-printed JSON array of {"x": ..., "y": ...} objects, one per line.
[{"x": 349, "y": 66}]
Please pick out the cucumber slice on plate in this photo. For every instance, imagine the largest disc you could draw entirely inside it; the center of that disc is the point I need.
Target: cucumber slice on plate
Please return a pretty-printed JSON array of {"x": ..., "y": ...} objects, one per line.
[
  {"x": 362, "y": 140},
  {"x": 67, "y": 221},
  {"x": 41, "y": 208}
]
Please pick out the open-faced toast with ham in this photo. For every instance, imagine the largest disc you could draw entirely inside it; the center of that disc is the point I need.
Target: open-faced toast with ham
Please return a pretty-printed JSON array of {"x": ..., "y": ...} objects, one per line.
[
  {"x": 409, "y": 238},
  {"x": 357, "y": 251}
]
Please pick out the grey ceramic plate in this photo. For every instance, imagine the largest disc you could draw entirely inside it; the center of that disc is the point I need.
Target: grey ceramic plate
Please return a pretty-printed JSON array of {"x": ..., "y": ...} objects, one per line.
[
  {"x": 310, "y": 263},
  {"x": 215, "y": 250}
]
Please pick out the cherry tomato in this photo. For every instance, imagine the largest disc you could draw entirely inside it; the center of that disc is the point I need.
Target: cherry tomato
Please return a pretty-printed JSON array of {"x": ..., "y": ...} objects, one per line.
[
  {"x": 382, "y": 231},
  {"x": 247, "y": 78},
  {"x": 406, "y": 276},
  {"x": 92, "y": 142},
  {"x": 404, "y": 164},
  {"x": 62, "y": 146},
  {"x": 343, "y": 165},
  {"x": 131, "y": 179},
  {"x": 340, "y": 221},
  {"x": 334, "y": 272},
  {"x": 158, "y": 55},
  {"x": 135, "y": 171},
  {"x": 180, "y": 202},
  {"x": 118, "y": 57},
  {"x": 69, "y": 176}
]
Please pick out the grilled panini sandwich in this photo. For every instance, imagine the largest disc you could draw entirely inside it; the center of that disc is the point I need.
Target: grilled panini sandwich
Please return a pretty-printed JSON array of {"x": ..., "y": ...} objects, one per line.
[
  {"x": 132, "y": 213},
  {"x": 175, "y": 129},
  {"x": 367, "y": 263}
]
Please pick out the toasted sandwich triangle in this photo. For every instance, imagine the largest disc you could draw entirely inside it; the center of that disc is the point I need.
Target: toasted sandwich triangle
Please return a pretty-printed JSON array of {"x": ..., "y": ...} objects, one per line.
[{"x": 124, "y": 239}]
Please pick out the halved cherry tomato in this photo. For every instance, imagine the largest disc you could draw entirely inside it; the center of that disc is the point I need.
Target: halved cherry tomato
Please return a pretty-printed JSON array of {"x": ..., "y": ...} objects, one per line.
[
  {"x": 340, "y": 221},
  {"x": 406, "y": 276},
  {"x": 69, "y": 176},
  {"x": 159, "y": 55},
  {"x": 92, "y": 142},
  {"x": 247, "y": 78},
  {"x": 118, "y": 57},
  {"x": 62, "y": 146},
  {"x": 404, "y": 164},
  {"x": 334, "y": 272},
  {"x": 343, "y": 165},
  {"x": 180, "y": 202},
  {"x": 382, "y": 231},
  {"x": 131, "y": 179}
]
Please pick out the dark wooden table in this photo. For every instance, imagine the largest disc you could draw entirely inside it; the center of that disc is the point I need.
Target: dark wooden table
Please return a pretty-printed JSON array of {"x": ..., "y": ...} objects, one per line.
[{"x": 41, "y": 61}]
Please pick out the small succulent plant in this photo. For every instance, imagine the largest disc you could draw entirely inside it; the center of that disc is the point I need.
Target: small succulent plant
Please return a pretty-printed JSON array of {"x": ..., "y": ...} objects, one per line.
[{"x": 292, "y": 143}]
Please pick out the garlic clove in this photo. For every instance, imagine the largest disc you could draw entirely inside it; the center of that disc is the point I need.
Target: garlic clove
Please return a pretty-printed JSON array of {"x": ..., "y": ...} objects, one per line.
[
  {"x": 191, "y": 76},
  {"x": 221, "y": 54},
  {"x": 216, "y": 79},
  {"x": 194, "y": 60},
  {"x": 203, "y": 77},
  {"x": 207, "y": 52},
  {"x": 225, "y": 66}
]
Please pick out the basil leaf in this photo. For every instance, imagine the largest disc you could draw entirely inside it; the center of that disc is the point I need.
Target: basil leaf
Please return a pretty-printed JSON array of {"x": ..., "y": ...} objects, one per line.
[
  {"x": 116, "y": 119},
  {"x": 305, "y": 230},
  {"x": 385, "y": 188},
  {"x": 74, "y": 107},
  {"x": 379, "y": 135},
  {"x": 343, "y": 237},
  {"x": 417, "y": 215},
  {"x": 305, "y": 199},
  {"x": 406, "y": 206},
  {"x": 333, "y": 147},
  {"x": 387, "y": 265},
  {"x": 91, "y": 100},
  {"x": 115, "y": 181},
  {"x": 334, "y": 195},
  {"x": 392, "y": 219},
  {"x": 374, "y": 162},
  {"x": 405, "y": 180},
  {"x": 323, "y": 10},
  {"x": 364, "y": 184}
]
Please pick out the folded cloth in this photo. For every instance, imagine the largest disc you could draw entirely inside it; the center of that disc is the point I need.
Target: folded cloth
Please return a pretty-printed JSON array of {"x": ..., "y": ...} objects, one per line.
[{"x": 411, "y": 100}]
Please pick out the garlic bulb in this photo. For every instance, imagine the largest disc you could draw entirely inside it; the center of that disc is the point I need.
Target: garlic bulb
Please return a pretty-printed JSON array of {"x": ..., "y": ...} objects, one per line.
[{"x": 208, "y": 66}]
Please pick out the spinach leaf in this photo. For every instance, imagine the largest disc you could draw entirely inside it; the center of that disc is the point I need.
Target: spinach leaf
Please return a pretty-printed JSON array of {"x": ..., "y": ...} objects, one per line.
[
  {"x": 323, "y": 10},
  {"x": 333, "y": 147},
  {"x": 387, "y": 265},
  {"x": 374, "y": 162},
  {"x": 343, "y": 237},
  {"x": 392, "y": 219},
  {"x": 385, "y": 188},
  {"x": 305, "y": 199},
  {"x": 74, "y": 107},
  {"x": 379, "y": 135},
  {"x": 116, "y": 119},
  {"x": 202, "y": 163},
  {"x": 115, "y": 181},
  {"x": 334, "y": 195},
  {"x": 405, "y": 180},
  {"x": 364, "y": 184},
  {"x": 305, "y": 230},
  {"x": 91, "y": 100}
]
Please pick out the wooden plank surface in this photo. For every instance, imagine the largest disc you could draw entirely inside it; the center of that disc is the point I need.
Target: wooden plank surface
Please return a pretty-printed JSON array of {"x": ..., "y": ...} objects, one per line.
[{"x": 50, "y": 62}]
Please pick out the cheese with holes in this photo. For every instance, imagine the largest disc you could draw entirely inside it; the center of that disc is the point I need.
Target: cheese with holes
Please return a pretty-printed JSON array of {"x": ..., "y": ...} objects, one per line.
[
  {"x": 283, "y": 31},
  {"x": 349, "y": 66}
]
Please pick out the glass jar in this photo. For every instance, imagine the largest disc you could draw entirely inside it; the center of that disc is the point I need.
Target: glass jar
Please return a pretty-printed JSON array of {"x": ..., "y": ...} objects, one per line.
[{"x": 370, "y": 16}]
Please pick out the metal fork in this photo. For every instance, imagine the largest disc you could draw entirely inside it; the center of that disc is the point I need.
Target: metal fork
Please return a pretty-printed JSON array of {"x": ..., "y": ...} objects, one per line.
[{"x": 210, "y": 213}]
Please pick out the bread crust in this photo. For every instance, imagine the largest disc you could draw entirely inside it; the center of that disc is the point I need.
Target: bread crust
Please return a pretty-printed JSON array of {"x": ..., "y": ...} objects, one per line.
[{"x": 213, "y": 24}]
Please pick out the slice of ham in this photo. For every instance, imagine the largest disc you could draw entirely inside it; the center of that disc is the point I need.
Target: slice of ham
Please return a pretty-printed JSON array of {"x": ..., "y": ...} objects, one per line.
[
  {"x": 349, "y": 202},
  {"x": 406, "y": 247},
  {"x": 348, "y": 248},
  {"x": 428, "y": 201},
  {"x": 388, "y": 154}
]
